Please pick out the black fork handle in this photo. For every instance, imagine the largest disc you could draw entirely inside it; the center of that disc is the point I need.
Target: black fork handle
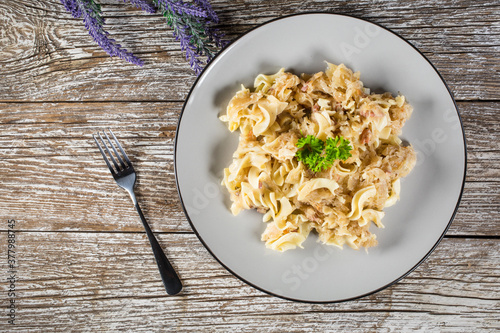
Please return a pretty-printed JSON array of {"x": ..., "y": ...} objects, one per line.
[{"x": 172, "y": 283}]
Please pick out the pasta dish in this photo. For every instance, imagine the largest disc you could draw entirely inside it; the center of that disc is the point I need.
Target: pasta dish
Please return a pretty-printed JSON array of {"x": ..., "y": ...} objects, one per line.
[{"x": 282, "y": 169}]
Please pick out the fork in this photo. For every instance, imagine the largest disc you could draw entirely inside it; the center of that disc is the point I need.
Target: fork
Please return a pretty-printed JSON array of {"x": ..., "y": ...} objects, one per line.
[{"x": 124, "y": 175}]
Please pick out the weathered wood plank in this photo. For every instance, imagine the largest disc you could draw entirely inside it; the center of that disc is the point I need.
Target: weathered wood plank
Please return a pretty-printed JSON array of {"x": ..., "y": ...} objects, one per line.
[
  {"x": 84, "y": 261},
  {"x": 48, "y": 56},
  {"x": 41, "y": 129},
  {"x": 53, "y": 176},
  {"x": 109, "y": 282},
  {"x": 54, "y": 194}
]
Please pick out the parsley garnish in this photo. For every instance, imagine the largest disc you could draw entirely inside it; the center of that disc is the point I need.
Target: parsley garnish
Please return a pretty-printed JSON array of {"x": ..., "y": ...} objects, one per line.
[{"x": 317, "y": 157}]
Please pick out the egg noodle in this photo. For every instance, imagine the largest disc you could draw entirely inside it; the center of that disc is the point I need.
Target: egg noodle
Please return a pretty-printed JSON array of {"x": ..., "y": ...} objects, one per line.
[{"x": 339, "y": 202}]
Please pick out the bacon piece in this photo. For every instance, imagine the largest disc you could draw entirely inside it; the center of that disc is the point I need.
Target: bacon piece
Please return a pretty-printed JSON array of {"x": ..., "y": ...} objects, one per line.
[{"x": 366, "y": 135}]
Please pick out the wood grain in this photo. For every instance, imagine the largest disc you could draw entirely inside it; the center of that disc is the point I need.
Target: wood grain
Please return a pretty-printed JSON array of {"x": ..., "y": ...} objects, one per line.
[
  {"x": 109, "y": 282},
  {"x": 84, "y": 262},
  {"x": 49, "y": 164},
  {"x": 55, "y": 195},
  {"x": 49, "y": 56}
]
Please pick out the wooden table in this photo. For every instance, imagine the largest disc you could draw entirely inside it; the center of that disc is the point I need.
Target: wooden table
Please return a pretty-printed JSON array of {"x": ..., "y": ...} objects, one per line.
[{"x": 83, "y": 262}]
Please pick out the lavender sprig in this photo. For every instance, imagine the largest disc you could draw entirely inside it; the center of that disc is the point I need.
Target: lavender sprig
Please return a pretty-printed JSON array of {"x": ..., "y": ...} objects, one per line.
[
  {"x": 91, "y": 13},
  {"x": 144, "y": 5},
  {"x": 205, "y": 5},
  {"x": 72, "y": 7},
  {"x": 194, "y": 32},
  {"x": 192, "y": 26},
  {"x": 181, "y": 8}
]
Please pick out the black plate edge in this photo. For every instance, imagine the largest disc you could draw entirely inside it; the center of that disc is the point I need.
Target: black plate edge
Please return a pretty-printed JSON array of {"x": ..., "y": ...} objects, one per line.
[{"x": 371, "y": 292}]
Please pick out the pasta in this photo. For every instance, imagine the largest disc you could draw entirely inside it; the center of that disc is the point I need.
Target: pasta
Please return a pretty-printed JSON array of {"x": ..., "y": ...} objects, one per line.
[{"x": 340, "y": 202}]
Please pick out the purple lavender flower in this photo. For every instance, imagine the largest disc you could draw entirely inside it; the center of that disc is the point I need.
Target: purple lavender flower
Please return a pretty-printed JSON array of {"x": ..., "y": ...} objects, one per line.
[
  {"x": 72, "y": 7},
  {"x": 144, "y": 5},
  {"x": 217, "y": 37},
  {"x": 181, "y": 8},
  {"x": 192, "y": 26},
  {"x": 91, "y": 13},
  {"x": 194, "y": 32},
  {"x": 205, "y": 5}
]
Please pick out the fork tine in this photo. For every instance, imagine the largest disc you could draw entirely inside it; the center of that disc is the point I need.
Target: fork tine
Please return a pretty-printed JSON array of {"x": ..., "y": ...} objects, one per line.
[
  {"x": 109, "y": 152},
  {"x": 103, "y": 154},
  {"x": 120, "y": 147},
  {"x": 114, "y": 149}
]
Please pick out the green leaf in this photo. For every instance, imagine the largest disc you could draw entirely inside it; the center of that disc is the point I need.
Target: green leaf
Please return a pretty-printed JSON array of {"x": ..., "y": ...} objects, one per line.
[{"x": 317, "y": 157}]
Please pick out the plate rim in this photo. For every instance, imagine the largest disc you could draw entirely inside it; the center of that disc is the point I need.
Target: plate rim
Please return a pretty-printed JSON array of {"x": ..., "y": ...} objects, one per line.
[{"x": 209, "y": 65}]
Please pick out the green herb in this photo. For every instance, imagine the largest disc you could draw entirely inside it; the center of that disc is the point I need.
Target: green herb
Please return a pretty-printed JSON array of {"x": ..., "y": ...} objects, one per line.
[
  {"x": 310, "y": 150},
  {"x": 319, "y": 155}
]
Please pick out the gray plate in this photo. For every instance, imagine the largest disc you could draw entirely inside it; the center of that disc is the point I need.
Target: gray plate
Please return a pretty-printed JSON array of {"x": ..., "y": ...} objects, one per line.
[{"x": 430, "y": 194}]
